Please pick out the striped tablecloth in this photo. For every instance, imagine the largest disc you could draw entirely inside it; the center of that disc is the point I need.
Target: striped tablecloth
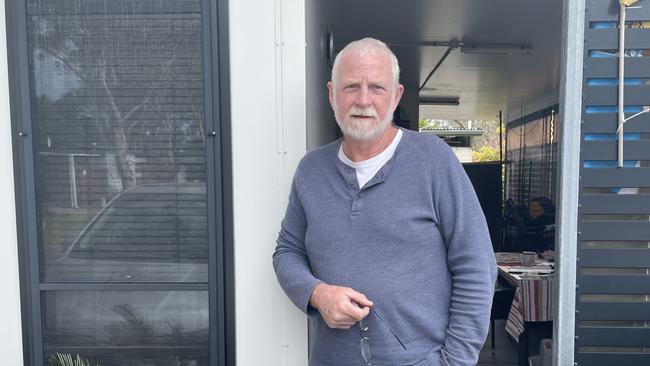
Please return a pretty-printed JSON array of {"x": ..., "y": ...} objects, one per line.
[{"x": 532, "y": 303}]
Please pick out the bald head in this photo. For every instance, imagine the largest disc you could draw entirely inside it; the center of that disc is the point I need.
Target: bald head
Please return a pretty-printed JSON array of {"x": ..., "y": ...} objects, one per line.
[{"x": 367, "y": 47}]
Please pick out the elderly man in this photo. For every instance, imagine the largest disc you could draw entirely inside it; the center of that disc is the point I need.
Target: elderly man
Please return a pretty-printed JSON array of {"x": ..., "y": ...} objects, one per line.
[{"x": 384, "y": 244}]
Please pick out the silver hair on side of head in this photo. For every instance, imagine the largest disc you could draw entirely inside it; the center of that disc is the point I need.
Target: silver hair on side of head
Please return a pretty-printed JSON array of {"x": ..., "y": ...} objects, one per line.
[{"x": 363, "y": 46}]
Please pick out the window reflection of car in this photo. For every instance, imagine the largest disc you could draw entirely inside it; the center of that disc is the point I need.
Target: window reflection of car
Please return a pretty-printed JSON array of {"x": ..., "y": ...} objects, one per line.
[{"x": 149, "y": 233}]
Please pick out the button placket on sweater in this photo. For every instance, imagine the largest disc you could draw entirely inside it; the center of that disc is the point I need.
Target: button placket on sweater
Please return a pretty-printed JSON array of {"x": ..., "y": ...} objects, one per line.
[
  {"x": 357, "y": 202},
  {"x": 351, "y": 178},
  {"x": 349, "y": 175}
]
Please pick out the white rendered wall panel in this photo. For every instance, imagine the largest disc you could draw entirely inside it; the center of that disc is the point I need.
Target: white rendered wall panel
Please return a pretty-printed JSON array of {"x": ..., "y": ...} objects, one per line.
[
  {"x": 294, "y": 145},
  {"x": 267, "y": 61}
]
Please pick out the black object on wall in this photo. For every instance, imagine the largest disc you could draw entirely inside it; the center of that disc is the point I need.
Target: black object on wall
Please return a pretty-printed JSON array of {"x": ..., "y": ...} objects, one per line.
[{"x": 486, "y": 179}]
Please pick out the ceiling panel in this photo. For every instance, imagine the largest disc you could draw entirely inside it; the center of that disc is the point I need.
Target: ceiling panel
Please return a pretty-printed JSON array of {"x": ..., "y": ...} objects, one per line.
[{"x": 485, "y": 84}]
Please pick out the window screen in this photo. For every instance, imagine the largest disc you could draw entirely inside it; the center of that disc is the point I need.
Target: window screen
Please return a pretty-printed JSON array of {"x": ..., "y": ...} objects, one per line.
[{"x": 117, "y": 112}]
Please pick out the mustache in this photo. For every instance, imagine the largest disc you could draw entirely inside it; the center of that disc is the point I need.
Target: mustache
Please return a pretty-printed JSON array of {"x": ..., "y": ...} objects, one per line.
[{"x": 364, "y": 112}]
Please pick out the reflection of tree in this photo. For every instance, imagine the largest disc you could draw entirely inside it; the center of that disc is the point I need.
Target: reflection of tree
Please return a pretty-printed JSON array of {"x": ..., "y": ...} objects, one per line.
[
  {"x": 128, "y": 90},
  {"x": 134, "y": 330},
  {"x": 137, "y": 330},
  {"x": 118, "y": 123}
]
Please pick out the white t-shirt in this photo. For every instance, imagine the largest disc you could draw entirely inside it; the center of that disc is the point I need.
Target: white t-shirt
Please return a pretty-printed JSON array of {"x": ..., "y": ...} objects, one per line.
[{"x": 367, "y": 169}]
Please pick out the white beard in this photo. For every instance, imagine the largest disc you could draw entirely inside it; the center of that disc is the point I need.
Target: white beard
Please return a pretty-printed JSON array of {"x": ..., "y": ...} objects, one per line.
[{"x": 364, "y": 129}]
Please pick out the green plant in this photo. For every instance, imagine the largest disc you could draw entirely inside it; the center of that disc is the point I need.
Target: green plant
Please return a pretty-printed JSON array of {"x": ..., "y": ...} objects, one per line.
[
  {"x": 485, "y": 153},
  {"x": 66, "y": 359}
]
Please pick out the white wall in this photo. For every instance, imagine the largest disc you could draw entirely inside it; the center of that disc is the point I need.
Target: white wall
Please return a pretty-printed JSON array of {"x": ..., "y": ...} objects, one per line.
[
  {"x": 267, "y": 75},
  {"x": 464, "y": 154},
  {"x": 10, "y": 331}
]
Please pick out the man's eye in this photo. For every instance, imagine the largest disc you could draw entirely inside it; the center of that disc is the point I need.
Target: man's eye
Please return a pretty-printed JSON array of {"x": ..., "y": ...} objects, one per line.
[
  {"x": 377, "y": 87},
  {"x": 351, "y": 87}
]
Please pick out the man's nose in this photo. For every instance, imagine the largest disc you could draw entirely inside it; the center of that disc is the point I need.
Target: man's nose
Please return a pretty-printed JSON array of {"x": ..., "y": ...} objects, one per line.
[{"x": 363, "y": 97}]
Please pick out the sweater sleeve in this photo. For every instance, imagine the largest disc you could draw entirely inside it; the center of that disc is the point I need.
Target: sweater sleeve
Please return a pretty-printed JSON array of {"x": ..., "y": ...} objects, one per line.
[
  {"x": 290, "y": 259},
  {"x": 470, "y": 259}
]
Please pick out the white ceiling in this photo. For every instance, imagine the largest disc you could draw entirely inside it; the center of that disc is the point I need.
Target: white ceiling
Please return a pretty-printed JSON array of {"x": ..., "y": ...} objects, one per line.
[{"x": 485, "y": 84}]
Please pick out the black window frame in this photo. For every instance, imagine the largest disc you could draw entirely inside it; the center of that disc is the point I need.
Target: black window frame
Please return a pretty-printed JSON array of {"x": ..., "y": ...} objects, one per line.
[{"x": 219, "y": 188}]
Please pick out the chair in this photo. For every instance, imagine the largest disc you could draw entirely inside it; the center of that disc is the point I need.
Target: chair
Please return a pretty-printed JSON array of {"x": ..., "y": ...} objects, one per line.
[
  {"x": 501, "y": 302},
  {"x": 521, "y": 230}
]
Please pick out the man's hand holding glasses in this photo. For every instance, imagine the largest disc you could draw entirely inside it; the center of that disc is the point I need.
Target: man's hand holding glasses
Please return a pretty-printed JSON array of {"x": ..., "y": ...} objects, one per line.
[{"x": 340, "y": 307}]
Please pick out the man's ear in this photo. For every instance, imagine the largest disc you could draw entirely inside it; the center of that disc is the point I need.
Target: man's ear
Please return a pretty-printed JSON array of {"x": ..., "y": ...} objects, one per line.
[
  {"x": 330, "y": 88},
  {"x": 398, "y": 93}
]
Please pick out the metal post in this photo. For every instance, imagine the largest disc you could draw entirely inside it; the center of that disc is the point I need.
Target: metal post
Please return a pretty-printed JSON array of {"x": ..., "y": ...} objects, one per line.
[
  {"x": 502, "y": 184},
  {"x": 74, "y": 202},
  {"x": 564, "y": 289},
  {"x": 621, "y": 81}
]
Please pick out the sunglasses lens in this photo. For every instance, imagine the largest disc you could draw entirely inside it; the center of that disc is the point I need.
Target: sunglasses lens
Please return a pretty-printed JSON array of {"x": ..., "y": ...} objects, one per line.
[{"x": 365, "y": 349}]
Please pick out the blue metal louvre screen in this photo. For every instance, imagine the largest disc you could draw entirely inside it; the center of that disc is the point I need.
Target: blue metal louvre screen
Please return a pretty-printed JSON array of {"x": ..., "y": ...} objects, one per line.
[{"x": 613, "y": 269}]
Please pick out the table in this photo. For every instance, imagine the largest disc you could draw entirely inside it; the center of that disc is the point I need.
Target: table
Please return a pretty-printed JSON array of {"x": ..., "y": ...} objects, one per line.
[{"x": 531, "y": 314}]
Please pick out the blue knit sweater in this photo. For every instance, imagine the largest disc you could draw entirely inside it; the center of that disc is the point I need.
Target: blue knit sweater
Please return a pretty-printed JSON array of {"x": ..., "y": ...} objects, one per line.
[{"x": 413, "y": 240}]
